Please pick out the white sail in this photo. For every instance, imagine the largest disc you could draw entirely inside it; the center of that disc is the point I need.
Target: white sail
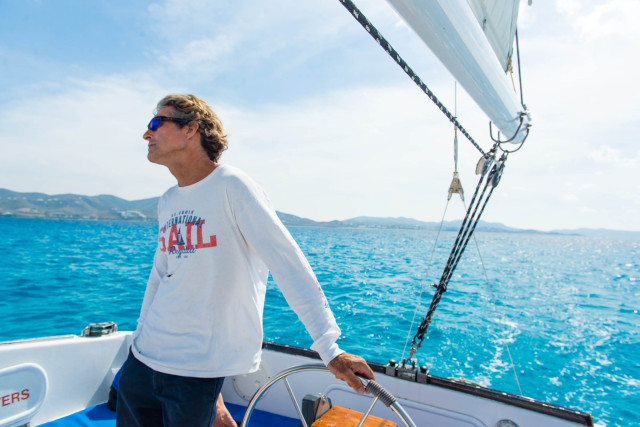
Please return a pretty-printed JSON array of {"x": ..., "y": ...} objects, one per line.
[
  {"x": 452, "y": 31},
  {"x": 498, "y": 19}
]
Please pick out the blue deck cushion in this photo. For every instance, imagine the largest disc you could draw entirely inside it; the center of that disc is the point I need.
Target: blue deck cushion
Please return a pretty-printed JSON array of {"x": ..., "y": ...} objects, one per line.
[
  {"x": 262, "y": 418},
  {"x": 94, "y": 416},
  {"x": 101, "y": 416}
]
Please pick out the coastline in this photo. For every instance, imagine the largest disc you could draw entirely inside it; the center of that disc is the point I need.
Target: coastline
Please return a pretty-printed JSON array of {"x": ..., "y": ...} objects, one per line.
[{"x": 111, "y": 208}]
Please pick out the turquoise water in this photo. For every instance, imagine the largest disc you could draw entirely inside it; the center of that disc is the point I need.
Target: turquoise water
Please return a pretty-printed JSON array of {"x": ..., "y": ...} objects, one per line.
[{"x": 567, "y": 306}]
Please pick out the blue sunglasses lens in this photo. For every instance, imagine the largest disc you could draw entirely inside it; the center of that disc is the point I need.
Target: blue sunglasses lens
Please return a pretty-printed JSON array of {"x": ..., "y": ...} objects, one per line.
[{"x": 154, "y": 123}]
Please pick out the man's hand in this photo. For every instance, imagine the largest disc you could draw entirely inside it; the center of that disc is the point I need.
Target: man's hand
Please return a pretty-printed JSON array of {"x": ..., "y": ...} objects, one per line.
[
  {"x": 345, "y": 367},
  {"x": 223, "y": 417}
]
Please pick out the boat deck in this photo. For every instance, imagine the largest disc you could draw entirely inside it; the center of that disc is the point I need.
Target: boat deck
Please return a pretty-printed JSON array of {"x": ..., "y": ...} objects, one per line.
[
  {"x": 101, "y": 416},
  {"x": 43, "y": 391}
]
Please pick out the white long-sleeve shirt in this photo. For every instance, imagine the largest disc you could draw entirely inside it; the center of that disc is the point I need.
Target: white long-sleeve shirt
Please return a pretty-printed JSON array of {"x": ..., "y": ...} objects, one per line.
[{"x": 202, "y": 310}]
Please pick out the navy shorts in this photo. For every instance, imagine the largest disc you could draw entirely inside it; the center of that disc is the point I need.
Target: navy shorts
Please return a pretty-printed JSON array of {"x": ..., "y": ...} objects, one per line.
[{"x": 150, "y": 398}]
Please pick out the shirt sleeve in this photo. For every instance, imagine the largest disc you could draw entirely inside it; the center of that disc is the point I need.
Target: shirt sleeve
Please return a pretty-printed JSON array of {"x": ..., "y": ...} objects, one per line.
[{"x": 269, "y": 238}]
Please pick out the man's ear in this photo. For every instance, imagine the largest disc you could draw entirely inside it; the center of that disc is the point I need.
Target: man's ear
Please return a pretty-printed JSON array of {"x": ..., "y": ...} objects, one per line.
[{"x": 192, "y": 129}]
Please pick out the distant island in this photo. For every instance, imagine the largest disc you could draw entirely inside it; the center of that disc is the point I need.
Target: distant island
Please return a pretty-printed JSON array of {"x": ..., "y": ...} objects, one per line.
[{"x": 106, "y": 207}]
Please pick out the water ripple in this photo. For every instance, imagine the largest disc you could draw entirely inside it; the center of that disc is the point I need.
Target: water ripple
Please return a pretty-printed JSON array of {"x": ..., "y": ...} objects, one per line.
[{"x": 567, "y": 306}]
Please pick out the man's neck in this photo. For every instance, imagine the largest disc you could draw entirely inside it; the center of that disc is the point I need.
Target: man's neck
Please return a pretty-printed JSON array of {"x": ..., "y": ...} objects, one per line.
[{"x": 191, "y": 173}]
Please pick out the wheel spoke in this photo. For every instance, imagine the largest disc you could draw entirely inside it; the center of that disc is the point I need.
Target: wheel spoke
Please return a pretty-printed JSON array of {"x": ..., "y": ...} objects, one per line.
[
  {"x": 371, "y": 386},
  {"x": 366, "y": 414},
  {"x": 295, "y": 402}
]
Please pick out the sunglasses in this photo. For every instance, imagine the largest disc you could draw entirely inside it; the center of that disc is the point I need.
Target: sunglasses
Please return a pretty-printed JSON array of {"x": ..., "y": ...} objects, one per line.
[{"x": 156, "y": 122}]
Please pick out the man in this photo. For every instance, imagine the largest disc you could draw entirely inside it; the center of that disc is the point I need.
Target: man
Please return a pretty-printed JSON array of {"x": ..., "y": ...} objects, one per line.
[{"x": 201, "y": 317}]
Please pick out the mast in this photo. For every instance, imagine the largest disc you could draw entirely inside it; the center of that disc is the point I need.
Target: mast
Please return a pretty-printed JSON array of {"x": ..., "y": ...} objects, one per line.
[{"x": 453, "y": 33}]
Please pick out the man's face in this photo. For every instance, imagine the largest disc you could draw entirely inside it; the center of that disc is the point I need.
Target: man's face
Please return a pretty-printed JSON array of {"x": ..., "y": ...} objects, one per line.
[{"x": 167, "y": 142}]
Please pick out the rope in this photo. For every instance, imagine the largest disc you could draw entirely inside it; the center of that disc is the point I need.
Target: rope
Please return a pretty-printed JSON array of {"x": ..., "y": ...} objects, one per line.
[
  {"x": 493, "y": 299},
  {"x": 426, "y": 277},
  {"x": 510, "y": 71},
  {"x": 348, "y": 4},
  {"x": 472, "y": 217},
  {"x": 470, "y": 221}
]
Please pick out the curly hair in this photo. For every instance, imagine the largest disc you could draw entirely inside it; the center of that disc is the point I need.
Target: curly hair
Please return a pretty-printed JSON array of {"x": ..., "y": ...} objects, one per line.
[{"x": 214, "y": 140}]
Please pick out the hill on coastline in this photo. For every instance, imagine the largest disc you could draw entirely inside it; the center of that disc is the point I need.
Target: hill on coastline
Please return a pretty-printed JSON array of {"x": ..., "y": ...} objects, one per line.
[
  {"x": 107, "y": 207},
  {"x": 73, "y": 206}
]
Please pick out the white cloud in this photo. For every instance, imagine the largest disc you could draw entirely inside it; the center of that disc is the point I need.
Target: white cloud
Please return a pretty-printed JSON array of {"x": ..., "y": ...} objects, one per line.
[
  {"x": 346, "y": 153},
  {"x": 369, "y": 144},
  {"x": 614, "y": 158},
  {"x": 87, "y": 140},
  {"x": 605, "y": 19},
  {"x": 569, "y": 7},
  {"x": 202, "y": 55}
]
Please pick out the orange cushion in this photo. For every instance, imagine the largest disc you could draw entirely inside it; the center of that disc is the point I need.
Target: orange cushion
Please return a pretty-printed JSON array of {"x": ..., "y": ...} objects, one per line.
[{"x": 338, "y": 416}]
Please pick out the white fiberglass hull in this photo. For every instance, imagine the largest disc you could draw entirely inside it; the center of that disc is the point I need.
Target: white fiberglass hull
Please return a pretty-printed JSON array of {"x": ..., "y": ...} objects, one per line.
[{"x": 78, "y": 372}]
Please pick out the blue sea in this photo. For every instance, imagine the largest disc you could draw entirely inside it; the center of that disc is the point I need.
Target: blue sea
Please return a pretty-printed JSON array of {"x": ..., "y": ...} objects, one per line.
[{"x": 567, "y": 308}]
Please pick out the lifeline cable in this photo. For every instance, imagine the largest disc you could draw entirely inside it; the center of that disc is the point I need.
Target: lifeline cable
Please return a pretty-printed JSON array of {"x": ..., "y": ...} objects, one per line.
[{"x": 348, "y": 4}]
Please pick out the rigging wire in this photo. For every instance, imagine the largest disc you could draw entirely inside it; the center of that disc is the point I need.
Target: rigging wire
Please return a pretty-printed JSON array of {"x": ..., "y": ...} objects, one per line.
[
  {"x": 492, "y": 296},
  {"x": 493, "y": 178},
  {"x": 521, "y": 95},
  {"x": 424, "y": 282},
  {"x": 528, "y": 127},
  {"x": 474, "y": 212},
  {"x": 495, "y": 308},
  {"x": 519, "y": 71},
  {"x": 523, "y": 113},
  {"x": 456, "y": 185}
]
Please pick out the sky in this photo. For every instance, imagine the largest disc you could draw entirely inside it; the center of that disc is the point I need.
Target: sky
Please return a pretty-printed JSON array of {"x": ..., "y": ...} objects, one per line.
[{"x": 316, "y": 112}]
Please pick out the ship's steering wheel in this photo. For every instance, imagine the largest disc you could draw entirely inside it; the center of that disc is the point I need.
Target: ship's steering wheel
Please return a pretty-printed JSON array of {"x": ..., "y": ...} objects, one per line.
[{"x": 372, "y": 387}]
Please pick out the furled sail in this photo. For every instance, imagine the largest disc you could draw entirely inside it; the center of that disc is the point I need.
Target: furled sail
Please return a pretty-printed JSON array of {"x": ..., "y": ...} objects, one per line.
[
  {"x": 498, "y": 19},
  {"x": 455, "y": 34}
]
